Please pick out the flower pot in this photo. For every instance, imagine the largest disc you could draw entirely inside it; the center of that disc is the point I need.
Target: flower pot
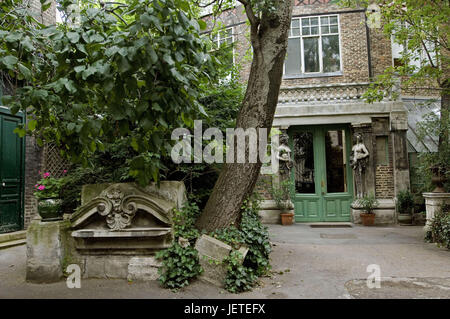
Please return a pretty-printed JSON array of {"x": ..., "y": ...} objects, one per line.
[
  {"x": 367, "y": 219},
  {"x": 287, "y": 218},
  {"x": 404, "y": 218},
  {"x": 50, "y": 209}
]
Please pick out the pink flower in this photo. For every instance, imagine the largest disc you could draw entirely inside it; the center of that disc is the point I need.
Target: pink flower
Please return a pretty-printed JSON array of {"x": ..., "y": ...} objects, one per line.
[
  {"x": 35, "y": 186},
  {"x": 46, "y": 175},
  {"x": 41, "y": 187},
  {"x": 64, "y": 171}
]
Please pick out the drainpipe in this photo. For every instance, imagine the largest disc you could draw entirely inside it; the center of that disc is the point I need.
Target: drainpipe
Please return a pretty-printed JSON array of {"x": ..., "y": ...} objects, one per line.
[{"x": 369, "y": 55}]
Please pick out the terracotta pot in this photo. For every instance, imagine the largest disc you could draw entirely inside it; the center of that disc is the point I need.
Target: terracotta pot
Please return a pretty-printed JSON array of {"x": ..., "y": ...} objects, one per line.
[
  {"x": 287, "y": 218},
  {"x": 367, "y": 219}
]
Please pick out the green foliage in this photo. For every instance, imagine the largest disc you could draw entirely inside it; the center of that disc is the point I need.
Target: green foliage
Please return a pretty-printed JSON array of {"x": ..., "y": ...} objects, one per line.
[
  {"x": 252, "y": 234},
  {"x": 433, "y": 125},
  {"x": 440, "y": 227},
  {"x": 48, "y": 187},
  {"x": 130, "y": 72},
  {"x": 180, "y": 261},
  {"x": 405, "y": 201},
  {"x": 368, "y": 203},
  {"x": 281, "y": 194}
]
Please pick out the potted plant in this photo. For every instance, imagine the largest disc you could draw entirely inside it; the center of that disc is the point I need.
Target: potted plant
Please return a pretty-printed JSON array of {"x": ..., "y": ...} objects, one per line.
[
  {"x": 405, "y": 205},
  {"x": 281, "y": 196},
  {"x": 48, "y": 196},
  {"x": 367, "y": 203}
]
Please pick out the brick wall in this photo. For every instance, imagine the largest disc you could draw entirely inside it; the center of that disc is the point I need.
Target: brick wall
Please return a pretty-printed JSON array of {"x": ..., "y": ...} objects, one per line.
[{"x": 384, "y": 181}]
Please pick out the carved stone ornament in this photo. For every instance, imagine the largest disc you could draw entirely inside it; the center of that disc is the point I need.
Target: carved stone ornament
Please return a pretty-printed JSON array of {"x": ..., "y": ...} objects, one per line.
[{"x": 119, "y": 203}]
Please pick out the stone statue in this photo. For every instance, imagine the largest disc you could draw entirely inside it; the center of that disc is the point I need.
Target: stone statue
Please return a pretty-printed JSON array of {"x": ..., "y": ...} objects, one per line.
[
  {"x": 284, "y": 153},
  {"x": 358, "y": 161}
]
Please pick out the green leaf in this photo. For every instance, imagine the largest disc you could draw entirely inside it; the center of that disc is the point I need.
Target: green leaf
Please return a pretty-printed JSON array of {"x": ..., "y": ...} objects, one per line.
[
  {"x": 32, "y": 125},
  {"x": 25, "y": 71},
  {"x": 74, "y": 37},
  {"x": 9, "y": 61}
]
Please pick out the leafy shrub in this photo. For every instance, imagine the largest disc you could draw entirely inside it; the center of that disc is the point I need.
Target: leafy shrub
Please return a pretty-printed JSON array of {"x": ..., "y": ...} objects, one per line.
[
  {"x": 180, "y": 261},
  {"x": 368, "y": 203},
  {"x": 405, "y": 201},
  {"x": 281, "y": 194},
  {"x": 440, "y": 227}
]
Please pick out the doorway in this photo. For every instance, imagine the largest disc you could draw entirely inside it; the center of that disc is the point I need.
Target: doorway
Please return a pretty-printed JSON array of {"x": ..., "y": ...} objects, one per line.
[
  {"x": 11, "y": 173},
  {"x": 322, "y": 182}
]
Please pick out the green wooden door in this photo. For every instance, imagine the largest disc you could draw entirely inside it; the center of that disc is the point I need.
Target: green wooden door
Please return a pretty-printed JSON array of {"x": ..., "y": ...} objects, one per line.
[
  {"x": 11, "y": 173},
  {"x": 322, "y": 177}
]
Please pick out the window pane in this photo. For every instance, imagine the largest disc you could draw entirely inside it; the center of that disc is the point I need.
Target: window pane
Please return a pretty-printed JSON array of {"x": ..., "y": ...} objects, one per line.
[
  {"x": 314, "y": 21},
  {"x": 333, "y": 20},
  {"x": 292, "y": 62},
  {"x": 295, "y": 23},
  {"x": 305, "y": 31},
  {"x": 334, "y": 29},
  {"x": 295, "y": 32},
  {"x": 336, "y": 161},
  {"x": 314, "y": 30},
  {"x": 304, "y": 163},
  {"x": 305, "y": 22},
  {"x": 311, "y": 54},
  {"x": 324, "y": 20},
  {"x": 330, "y": 53},
  {"x": 325, "y": 29}
]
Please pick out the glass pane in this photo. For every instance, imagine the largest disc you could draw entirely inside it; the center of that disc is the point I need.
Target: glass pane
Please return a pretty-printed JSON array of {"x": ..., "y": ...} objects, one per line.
[
  {"x": 304, "y": 163},
  {"x": 292, "y": 62},
  {"x": 295, "y": 32},
  {"x": 330, "y": 53},
  {"x": 334, "y": 29},
  {"x": 314, "y": 30},
  {"x": 305, "y": 31},
  {"x": 311, "y": 54},
  {"x": 336, "y": 161},
  {"x": 325, "y": 29},
  {"x": 295, "y": 23},
  {"x": 333, "y": 20},
  {"x": 323, "y": 20},
  {"x": 314, "y": 21},
  {"x": 305, "y": 21}
]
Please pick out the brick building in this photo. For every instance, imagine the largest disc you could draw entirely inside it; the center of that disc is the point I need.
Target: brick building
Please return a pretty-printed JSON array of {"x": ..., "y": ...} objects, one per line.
[{"x": 332, "y": 57}]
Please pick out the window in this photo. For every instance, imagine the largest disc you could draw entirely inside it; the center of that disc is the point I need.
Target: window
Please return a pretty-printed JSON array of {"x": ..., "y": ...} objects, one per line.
[
  {"x": 223, "y": 43},
  {"x": 313, "y": 46}
]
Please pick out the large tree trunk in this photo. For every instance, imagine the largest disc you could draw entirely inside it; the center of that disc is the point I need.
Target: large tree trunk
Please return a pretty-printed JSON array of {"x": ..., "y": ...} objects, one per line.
[{"x": 236, "y": 181}]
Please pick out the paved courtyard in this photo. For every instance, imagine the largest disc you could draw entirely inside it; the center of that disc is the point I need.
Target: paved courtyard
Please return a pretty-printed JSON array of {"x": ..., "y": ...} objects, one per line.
[{"x": 307, "y": 263}]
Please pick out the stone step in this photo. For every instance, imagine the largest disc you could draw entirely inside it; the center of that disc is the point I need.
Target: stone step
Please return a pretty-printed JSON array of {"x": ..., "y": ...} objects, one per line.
[
  {"x": 12, "y": 243},
  {"x": 22, "y": 234}
]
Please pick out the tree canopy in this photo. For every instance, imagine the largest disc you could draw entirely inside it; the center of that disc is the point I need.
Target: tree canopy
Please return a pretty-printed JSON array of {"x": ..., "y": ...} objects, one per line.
[{"x": 113, "y": 71}]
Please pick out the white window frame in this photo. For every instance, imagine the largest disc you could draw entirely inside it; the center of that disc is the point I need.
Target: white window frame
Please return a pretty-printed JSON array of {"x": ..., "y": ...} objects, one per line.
[
  {"x": 302, "y": 56},
  {"x": 216, "y": 42}
]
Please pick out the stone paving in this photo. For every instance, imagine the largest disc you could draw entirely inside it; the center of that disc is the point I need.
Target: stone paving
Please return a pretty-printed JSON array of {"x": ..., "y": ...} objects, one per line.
[{"x": 307, "y": 263}]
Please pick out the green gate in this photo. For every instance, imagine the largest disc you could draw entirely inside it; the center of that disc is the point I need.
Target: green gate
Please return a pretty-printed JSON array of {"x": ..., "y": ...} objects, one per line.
[
  {"x": 322, "y": 188},
  {"x": 11, "y": 172}
]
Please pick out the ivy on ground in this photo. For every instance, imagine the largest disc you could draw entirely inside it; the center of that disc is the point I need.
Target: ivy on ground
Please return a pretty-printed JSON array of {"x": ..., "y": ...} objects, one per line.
[
  {"x": 180, "y": 262},
  {"x": 252, "y": 234}
]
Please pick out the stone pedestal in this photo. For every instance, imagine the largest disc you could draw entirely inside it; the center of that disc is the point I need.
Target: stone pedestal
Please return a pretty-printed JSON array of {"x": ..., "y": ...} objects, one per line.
[
  {"x": 46, "y": 246},
  {"x": 433, "y": 203},
  {"x": 269, "y": 212}
]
